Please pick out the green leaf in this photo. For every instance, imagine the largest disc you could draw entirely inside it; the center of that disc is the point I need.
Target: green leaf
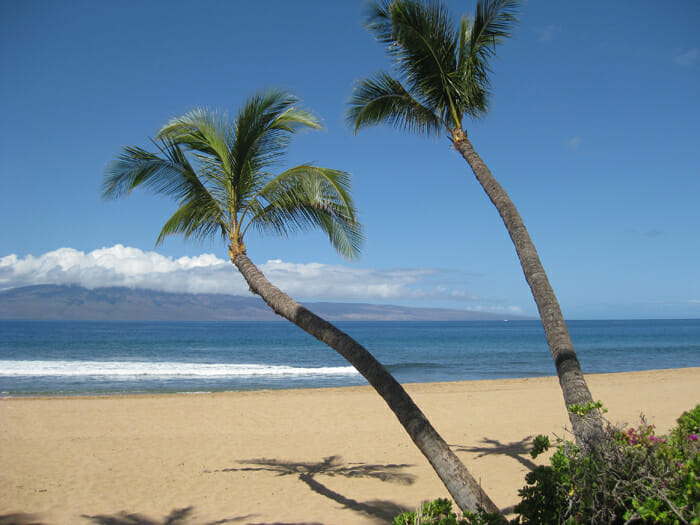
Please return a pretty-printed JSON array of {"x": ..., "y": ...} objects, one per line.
[
  {"x": 441, "y": 67},
  {"x": 217, "y": 170}
]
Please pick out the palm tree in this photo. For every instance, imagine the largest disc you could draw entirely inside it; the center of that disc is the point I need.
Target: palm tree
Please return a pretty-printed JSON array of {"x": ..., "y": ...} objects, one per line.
[
  {"x": 442, "y": 76},
  {"x": 217, "y": 171}
]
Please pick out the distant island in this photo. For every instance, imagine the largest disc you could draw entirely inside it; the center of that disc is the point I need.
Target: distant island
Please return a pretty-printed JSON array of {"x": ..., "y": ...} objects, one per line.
[{"x": 75, "y": 303}]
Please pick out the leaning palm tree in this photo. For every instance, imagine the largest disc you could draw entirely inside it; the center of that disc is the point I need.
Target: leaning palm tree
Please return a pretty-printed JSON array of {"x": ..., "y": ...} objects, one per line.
[
  {"x": 217, "y": 171},
  {"x": 442, "y": 76}
]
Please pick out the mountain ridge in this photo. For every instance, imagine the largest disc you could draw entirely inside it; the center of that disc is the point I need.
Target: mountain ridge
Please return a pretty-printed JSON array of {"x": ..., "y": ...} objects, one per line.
[{"x": 76, "y": 303}]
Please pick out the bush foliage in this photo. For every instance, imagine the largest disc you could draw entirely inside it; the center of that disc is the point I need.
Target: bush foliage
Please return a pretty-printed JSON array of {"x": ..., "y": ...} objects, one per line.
[
  {"x": 630, "y": 476},
  {"x": 439, "y": 512}
]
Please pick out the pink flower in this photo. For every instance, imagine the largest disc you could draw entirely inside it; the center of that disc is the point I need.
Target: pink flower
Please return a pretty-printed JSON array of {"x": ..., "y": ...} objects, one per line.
[{"x": 693, "y": 437}]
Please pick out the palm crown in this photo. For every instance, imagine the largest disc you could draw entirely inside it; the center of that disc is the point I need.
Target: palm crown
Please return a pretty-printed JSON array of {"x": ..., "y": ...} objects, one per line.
[
  {"x": 442, "y": 71},
  {"x": 218, "y": 171}
]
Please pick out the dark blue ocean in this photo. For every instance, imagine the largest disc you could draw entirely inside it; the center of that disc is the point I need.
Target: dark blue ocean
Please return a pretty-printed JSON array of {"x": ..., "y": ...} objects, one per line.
[{"x": 81, "y": 358}]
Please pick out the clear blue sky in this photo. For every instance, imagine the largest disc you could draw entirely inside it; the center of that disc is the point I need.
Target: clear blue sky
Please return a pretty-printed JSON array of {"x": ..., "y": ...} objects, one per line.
[{"x": 594, "y": 131}]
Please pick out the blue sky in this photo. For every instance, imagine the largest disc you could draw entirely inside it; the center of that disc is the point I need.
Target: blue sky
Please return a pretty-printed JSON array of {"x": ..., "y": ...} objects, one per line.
[{"x": 593, "y": 130}]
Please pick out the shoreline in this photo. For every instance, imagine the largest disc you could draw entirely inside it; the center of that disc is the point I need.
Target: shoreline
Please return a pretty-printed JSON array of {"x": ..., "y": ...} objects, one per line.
[
  {"x": 329, "y": 455},
  {"x": 127, "y": 394}
]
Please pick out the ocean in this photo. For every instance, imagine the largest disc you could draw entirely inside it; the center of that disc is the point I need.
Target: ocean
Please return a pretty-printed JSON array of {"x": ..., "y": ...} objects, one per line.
[{"x": 87, "y": 358}]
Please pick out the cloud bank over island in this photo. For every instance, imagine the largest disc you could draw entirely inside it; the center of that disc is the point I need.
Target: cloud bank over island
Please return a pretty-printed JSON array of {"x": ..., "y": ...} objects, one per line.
[{"x": 122, "y": 266}]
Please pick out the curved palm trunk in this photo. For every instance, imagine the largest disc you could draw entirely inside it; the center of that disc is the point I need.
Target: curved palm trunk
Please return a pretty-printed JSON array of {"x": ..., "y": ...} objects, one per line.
[
  {"x": 571, "y": 379},
  {"x": 459, "y": 482}
]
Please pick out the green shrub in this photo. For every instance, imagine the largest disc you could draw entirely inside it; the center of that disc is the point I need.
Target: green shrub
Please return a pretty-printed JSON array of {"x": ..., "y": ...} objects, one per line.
[
  {"x": 631, "y": 475},
  {"x": 688, "y": 426},
  {"x": 439, "y": 512}
]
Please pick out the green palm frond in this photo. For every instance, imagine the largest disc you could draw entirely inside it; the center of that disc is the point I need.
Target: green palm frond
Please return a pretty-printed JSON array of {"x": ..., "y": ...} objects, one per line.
[
  {"x": 382, "y": 98},
  {"x": 472, "y": 97},
  {"x": 170, "y": 173},
  {"x": 264, "y": 127},
  {"x": 197, "y": 218},
  {"x": 423, "y": 44},
  {"x": 130, "y": 169},
  {"x": 205, "y": 135},
  {"x": 166, "y": 172},
  {"x": 283, "y": 113},
  {"x": 493, "y": 22},
  {"x": 217, "y": 171},
  {"x": 308, "y": 197},
  {"x": 202, "y": 131},
  {"x": 442, "y": 65}
]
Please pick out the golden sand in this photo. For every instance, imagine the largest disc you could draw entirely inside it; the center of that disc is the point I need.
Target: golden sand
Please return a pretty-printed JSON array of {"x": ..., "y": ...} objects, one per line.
[{"x": 330, "y": 456}]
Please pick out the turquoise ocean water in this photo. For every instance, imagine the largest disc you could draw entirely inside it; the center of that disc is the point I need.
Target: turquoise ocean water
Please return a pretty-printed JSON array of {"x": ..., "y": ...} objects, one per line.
[{"x": 80, "y": 358}]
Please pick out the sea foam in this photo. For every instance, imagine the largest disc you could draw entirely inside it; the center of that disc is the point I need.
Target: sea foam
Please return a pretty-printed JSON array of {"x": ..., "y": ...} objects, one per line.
[{"x": 152, "y": 369}]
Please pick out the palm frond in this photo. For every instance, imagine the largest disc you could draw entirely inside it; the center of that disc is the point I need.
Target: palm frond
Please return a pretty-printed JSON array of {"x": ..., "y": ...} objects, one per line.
[
  {"x": 423, "y": 43},
  {"x": 130, "y": 169},
  {"x": 216, "y": 170},
  {"x": 307, "y": 197},
  {"x": 203, "y": 131},
  {"x": 382, "y": 98},
  {"x": 168, "y": 173},
  {"x": 196, "y": 218},
  {"x": 264, "y": 127},
  {"x": 378, "y": 22},
  {"x": 285, "y": 114},
  {"x": 492, "y": 23},
  {"x": 442, "y": 65}
]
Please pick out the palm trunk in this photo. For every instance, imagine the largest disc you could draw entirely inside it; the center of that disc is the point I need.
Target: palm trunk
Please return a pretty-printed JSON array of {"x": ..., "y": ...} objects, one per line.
[
  {"x": 459, "y": 482},
  {"x": 571, "y": 379}
]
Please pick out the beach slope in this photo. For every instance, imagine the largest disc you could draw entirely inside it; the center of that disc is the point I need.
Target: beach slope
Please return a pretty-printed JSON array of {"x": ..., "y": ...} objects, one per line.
[{"x": 330, "y": 456}]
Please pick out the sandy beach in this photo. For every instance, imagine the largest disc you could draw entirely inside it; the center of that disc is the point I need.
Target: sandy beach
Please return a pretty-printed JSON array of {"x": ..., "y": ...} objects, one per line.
[{"x": 329, "y": 456}]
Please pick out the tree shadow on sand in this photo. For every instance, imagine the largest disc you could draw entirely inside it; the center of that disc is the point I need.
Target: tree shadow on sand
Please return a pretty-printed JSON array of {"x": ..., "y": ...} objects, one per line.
[
  {"x": 333, "y": 466},
  {"x": 176, "y": 517},
  {"x": 19, "y": 518},
  {"x": 518, "y": 450}
]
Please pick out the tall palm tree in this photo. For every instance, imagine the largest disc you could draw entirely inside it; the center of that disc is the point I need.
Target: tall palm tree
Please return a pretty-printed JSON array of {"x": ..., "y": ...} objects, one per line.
[
  {"x": 217, "y": 171},
  {"x": 442, "y": 75}
]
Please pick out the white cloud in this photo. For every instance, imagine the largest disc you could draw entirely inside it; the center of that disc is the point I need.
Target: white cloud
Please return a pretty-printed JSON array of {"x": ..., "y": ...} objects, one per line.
[
  {"x": 573, "y": 143},
  {"x": 688, "y": 57},
  {"x": 134, "y": 268},
  {"x": 514, "y": 310},
  {"x": 116, "y": 266},
  {"x": 547, "y": 33}
]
